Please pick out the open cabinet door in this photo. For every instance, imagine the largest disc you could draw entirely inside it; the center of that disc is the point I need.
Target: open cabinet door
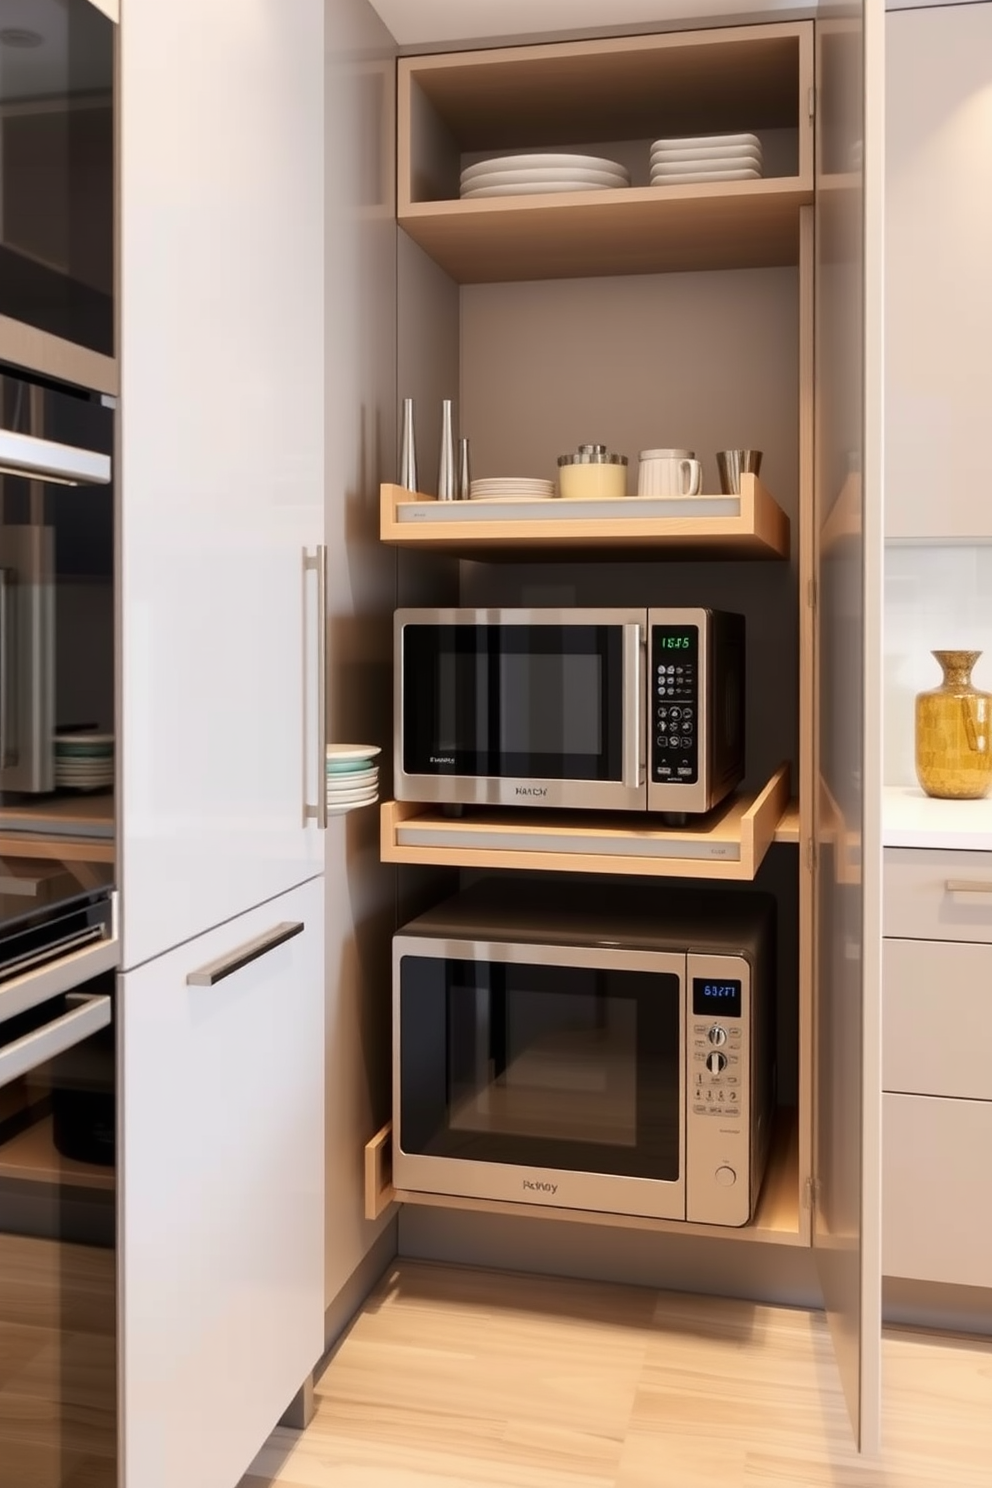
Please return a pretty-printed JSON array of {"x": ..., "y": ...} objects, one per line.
[{"x": 846, "y": 1212}]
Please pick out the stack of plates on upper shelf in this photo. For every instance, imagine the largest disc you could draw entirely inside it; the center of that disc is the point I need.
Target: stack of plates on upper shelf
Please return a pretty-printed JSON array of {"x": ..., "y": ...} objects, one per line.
[
  {"x": 706, "y": 157},
  {"x": 511, "y": 488},
  {"x": 526, "y": 175},
  {"x": 352, "y": 778},
  {"x": 84, "y": 761}
]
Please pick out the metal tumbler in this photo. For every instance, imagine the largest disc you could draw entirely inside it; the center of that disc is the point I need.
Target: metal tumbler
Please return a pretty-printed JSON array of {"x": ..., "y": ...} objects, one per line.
[{"x": 734, "y": 463}]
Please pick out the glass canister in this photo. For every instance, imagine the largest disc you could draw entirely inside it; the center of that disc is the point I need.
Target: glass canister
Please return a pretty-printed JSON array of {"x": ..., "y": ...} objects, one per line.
[{"x": 954, "y": 732}]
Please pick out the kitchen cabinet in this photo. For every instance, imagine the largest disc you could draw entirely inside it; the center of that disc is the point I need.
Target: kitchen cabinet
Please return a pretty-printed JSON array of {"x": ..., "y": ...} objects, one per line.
[
  {"x": 938, "y": 296},
  {"x": 937, "y": 1106},
  {"x": 221, "y": 462},
  {"x": 678, "y": 316},
  {"x": 222, "y": 1175}
]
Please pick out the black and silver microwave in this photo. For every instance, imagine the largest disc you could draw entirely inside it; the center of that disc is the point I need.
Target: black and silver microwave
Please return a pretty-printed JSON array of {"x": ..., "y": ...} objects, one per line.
[
  {"x": 612, "y": 709},
  {"x": 596, "y": 1048}
]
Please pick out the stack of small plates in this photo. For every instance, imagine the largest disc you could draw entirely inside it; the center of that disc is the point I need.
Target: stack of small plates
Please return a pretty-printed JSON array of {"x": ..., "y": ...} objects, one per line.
[
  {"x": 511, "y": 488},
  {"x": 352, "y": 778},
  {"x": 706, "y": 157},
  {"x": 84, "y": 761},
  {"x": 525, "y": 175}
]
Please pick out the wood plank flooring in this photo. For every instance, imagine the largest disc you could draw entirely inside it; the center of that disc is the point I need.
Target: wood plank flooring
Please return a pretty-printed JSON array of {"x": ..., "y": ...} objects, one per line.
[{"x": 452, "y": 1377}]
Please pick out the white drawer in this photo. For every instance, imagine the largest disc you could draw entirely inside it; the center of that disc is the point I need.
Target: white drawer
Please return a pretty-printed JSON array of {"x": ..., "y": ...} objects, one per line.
[
  {"x": 937, "y": 1018},
  {"x": 937, "y": 1189},
  {"x": 931, "y": 894}
]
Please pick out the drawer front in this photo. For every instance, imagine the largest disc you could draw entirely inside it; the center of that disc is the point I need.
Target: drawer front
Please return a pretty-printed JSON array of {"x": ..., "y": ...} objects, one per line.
[
  {"x": 937, "y": 895},
  {"x": 936, "y": 1189},
  {"x": 937, "y": 1018}
]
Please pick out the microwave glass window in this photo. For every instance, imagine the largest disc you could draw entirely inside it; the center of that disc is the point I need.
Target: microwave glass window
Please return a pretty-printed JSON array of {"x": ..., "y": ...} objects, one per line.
[
  {"x": 565, "y": 1067},
  {"x": 513, "y": 701},
  {"x": 57, "y": 177},
  {"x": 551, "y": 703}
]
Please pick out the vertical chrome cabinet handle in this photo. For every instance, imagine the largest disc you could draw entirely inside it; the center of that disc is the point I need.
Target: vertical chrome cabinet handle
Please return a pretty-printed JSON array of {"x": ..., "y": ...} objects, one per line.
[
  {"x": 633, "y": 727},
  {"x": 318, "y": 563},
  {"x": 225, "y": 966}
]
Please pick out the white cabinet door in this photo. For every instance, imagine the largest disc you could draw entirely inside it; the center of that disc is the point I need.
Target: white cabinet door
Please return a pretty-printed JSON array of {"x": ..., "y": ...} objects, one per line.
[
  {"x": 222, "y": 1234},
  {"x": 938, "y": 246},
  {"x": 221, "y": 469}
]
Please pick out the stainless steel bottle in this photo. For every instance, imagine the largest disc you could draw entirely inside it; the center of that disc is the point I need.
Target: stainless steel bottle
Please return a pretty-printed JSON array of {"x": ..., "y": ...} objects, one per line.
[
  {"x": 446, "y": 473},
  {"x": 408, "y": 449}
]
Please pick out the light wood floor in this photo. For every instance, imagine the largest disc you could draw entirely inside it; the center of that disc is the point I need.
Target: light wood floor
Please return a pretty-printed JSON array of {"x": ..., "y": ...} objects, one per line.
[{"x": 454, "y": 1377}]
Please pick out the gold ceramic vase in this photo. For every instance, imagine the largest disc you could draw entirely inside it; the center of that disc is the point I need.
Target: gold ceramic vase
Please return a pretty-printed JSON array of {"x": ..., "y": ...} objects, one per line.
[{"x": 954, "y": 732}]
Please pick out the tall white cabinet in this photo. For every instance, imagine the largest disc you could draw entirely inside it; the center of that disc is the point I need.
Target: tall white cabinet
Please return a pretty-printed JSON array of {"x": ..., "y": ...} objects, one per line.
[{"x": 220, "y": 1005}]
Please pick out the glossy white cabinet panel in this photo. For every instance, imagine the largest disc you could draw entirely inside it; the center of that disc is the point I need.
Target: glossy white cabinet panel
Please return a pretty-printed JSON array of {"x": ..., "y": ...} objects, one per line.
[
  {"x": 221, "y": 1170},
  {"x": 937, "y": 1018},
  {"x": 938, "y": 289},
  {"x": 222, "y": 457},
  {"x": 937, "y": 1190}
]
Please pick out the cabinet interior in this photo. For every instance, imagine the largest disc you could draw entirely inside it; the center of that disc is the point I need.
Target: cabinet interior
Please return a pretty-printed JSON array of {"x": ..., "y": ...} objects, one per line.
[{"x": 557, "y": 341}]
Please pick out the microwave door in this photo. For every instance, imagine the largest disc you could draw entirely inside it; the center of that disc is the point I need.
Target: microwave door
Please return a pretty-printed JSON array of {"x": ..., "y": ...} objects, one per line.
[{"x": 27, "y": 658}]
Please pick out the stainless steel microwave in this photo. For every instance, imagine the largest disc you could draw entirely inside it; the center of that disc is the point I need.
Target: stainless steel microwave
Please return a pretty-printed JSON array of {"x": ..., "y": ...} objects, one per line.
[
  {"x": 612, "y": 709},
  {"x": 597, "y": 1048}
]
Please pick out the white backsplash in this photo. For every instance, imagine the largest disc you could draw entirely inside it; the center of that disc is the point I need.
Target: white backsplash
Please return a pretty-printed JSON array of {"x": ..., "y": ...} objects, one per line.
[{"x": 936, "y": 599}]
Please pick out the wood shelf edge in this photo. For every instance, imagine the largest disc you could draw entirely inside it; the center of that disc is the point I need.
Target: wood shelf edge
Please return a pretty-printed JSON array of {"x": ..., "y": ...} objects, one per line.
[
  {"x": 31, "y": 1157},
  {"x": 762, "y": 529},
  {"x": 749, "y": 821},
  {"x": 379, "y": 1191},
  {"x": 777, "y": 1219}
]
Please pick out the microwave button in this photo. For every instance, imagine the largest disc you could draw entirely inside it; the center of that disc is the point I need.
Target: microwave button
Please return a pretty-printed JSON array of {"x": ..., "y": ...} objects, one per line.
[
  {"x": 676, "y": 712},
  {"x": 725, "y": 1177}
]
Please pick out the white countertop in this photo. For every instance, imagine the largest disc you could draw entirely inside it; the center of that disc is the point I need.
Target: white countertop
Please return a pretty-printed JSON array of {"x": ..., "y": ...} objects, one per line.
[{"x": 910, "y": 818}]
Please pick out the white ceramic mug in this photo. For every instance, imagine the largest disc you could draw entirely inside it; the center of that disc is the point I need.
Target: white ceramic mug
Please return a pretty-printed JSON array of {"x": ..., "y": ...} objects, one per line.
[{"x": 669, "y": 472}]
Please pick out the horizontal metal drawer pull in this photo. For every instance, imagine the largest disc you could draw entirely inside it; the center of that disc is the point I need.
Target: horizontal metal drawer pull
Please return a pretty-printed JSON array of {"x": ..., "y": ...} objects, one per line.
[
  {"x": 55, "y": 1038},
  {"x": 225, "y": 966},
  {"x": 969, "y": 886}
]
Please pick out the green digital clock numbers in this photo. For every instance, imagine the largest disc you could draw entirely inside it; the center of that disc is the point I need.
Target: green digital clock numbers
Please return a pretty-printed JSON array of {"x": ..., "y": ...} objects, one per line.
[{"x": 675, "y": 643}]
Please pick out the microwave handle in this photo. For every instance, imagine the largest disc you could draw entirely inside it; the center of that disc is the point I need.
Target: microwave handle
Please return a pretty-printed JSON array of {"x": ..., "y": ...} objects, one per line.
[
  {"x": 633, "y": 689},
  {"x": 32, "y": 458}
]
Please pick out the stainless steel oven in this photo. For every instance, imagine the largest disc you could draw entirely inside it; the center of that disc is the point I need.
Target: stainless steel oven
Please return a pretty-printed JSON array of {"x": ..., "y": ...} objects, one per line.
[
  {"x": 57, "y": 175},
  {"x": 58, "y": 1425},
  {"x": 610, "y": 709},
  {"x": 599, "y": 1048}
]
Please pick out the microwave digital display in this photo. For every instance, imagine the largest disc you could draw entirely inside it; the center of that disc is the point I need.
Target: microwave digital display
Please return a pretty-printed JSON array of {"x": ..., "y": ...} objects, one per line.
[{"x": 710, "y": 998}]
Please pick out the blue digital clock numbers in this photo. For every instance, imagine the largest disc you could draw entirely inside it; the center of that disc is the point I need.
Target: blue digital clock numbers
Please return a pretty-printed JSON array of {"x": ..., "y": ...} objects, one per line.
[{"x": 713, "y": 998}]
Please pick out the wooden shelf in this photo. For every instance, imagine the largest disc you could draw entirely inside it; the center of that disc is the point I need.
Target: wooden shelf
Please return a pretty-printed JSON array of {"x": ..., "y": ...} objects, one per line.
[
  {"x": 641, "y": 230},
  {"x": 31, "y": 1157},
  {"x": 751, "y": 525},
  {"x": 728, "y": 843},
  {"x": 623, "y": 93},
  {"x": 778, "y": 1219},
  {"x": 71, "y": 829}
]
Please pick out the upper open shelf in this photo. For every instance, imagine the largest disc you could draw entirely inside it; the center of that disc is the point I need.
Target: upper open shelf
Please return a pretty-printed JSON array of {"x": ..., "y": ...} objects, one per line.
[
  {"x": 608, "y": 98},
  {"x": 751, "y": 525}
]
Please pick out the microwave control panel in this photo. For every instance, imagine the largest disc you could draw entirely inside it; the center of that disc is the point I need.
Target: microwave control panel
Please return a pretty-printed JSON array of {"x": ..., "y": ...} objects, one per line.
[{"x": 675, "y": 704}]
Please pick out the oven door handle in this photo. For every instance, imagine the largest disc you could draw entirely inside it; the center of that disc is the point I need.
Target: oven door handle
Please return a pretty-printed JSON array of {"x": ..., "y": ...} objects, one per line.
[
  {"x": 633, "y": 723},
  {"x": 42, "y": 459},
  {"x": 63, "y": 1033}
]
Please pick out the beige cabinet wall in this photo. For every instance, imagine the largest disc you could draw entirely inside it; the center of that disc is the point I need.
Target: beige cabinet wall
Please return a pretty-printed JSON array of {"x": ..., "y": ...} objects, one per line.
[{"x": 938, "y": 286}]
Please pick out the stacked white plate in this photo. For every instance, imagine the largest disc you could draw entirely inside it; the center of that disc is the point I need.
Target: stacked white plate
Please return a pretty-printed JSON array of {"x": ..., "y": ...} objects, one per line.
[
  {"x": 352, "y": 778},
  {"x": 528, "y": 175},
  {"x": 706, "y": 157},
  {"x": 84, "y": 761},
  {"x": 511, "y": 488}
]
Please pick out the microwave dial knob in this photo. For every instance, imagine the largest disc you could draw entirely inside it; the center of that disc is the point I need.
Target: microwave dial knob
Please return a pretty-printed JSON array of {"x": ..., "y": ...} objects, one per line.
[
  {"x": 716, "y": 1062},
  {"x": 717, "y": 1035}
]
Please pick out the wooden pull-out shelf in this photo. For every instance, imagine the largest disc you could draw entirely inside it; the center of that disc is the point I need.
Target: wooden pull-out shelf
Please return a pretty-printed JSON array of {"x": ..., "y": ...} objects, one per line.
[
  {"x": 71, "y": 829},
  {"x": 32, "y": 1157},
  {"x": 778, "y": 1220},
  {"x": 751, "y": 525},
  {"x": 730, "y": 842}
]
